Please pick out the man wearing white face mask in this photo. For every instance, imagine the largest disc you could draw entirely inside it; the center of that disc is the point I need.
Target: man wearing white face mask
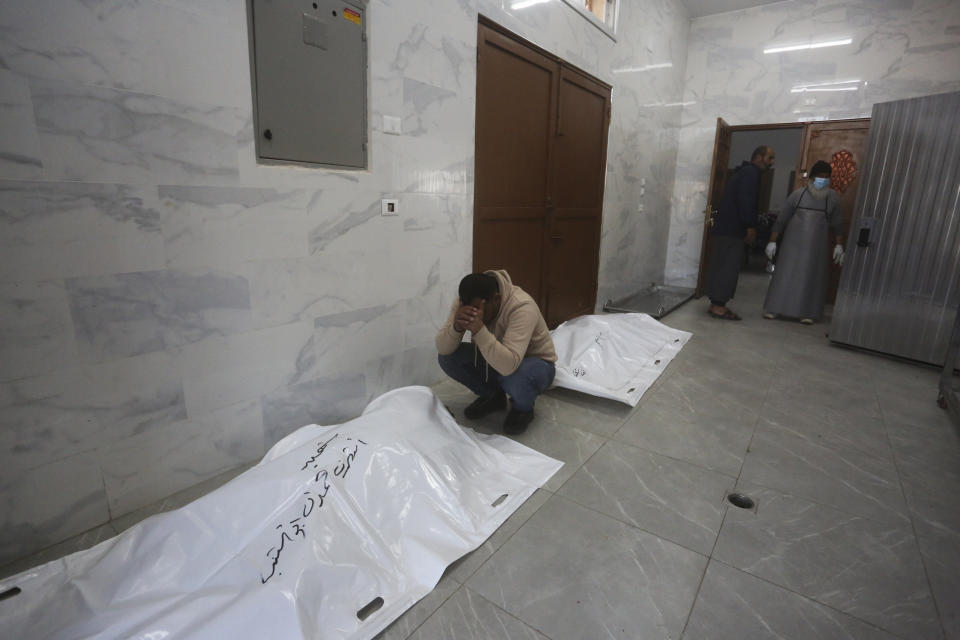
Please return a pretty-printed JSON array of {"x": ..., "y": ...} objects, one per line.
[{"x": 799, "y": 285}]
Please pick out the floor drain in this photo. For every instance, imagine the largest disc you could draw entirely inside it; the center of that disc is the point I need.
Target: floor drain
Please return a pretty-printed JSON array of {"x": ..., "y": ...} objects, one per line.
[{"x": 740, "y": 500}]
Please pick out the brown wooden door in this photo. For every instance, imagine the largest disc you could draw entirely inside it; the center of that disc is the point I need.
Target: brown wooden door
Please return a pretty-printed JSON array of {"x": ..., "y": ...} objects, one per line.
[
  {"x": 515, "y": 108},
  {"x": 718, "y": 179},
  {"x": 578, "y": 167},
  {"x": 540, "y": 164},
  {"x": 843, "y": 144}
]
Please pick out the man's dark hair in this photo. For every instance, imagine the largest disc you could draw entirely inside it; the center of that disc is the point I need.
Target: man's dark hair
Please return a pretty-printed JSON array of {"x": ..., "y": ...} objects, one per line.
[
  {"x": 820, "y": 167},
  {"x": 478, "y": 285},
  {"x": 759, "y": 152}
]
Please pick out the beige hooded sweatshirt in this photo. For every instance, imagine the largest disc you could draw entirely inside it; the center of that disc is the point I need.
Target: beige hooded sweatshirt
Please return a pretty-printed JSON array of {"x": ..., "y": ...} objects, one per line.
[{"x": 519, "y": 330}]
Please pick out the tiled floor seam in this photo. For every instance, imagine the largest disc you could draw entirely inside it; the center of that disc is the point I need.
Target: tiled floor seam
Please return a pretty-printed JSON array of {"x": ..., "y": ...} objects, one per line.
[
  {"x": 662, "y": 455},
  {"x": 723, "y": 521},
  {"x": 674, "y": 458},
  {"x": 808, "y": 598},
  {"x": 106, "y": 498},
  {"x": 494, "y": 604},
  {"x": 606, "y": 441},
  {"x": 634, "y": 526},
  {"x": 713, "y": 549},
  {"x": 415, "y": 629},
  {"x": 703, "y": 576},
  {"x": 510, "y": 537},
  {"x": 910, "y": 517},
  {"x": 784, "y": 492},
  {"x": 753, "y": 433}
]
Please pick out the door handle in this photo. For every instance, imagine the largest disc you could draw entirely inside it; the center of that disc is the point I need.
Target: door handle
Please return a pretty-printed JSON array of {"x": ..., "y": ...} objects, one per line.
[{"x": 867, "y": 225}]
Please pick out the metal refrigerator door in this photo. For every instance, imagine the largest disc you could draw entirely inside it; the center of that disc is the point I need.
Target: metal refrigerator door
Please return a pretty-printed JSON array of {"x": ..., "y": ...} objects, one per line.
[{"x": 899, "y": 289}]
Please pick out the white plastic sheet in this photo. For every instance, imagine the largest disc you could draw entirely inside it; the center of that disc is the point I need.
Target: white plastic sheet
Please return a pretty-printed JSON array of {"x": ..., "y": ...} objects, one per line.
[
  {"x": 616, "y": 356},
  {"x": 333, "y": 518}
]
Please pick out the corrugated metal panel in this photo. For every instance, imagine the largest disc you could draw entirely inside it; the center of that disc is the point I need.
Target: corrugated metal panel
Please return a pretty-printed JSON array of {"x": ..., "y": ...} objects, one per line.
[{"x": 900, "y": 293}]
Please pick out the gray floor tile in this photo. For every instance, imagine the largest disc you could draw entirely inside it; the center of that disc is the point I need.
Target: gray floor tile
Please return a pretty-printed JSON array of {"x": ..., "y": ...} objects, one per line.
[
  {"x": 850, "y": 481},
  {"x": 932, "y": 499},
  {"x": 468, "y": 616},
  {"x": 570, "y": 445},
  {"x": 740, "y": 380},
  {"x": 815, "y": 356},
  {"x": 929, "y": 460},
  {"x": 412, "y": 618},
  {"x": 589, "y": 413},
  {"x": 928, "y": 456},
  {"x": 893, "y": 375},
  {"x": 81, "y": 542},
  {"x": 940, "y": 549},
  {"x": 912, "y": 406},
  {"x": 841, "y": 432},
  {"x": 467, "y": 565},
  {"x": 678, "y": 501},
  {"x": 868, "y": 569},
  {"x": 822, "y": 396},
  {"x": 573, "y": 573},
  {"x": 733, "y": 604},
  {"x": 684, "y": 420}
]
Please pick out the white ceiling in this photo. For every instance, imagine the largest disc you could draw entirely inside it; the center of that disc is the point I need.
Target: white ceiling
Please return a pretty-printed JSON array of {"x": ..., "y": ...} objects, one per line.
[{"x": 700, "y": 8}]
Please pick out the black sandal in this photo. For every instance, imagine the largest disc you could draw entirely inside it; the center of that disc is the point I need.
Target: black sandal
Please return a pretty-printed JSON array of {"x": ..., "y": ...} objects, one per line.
[{"x": 727, "y": 315}]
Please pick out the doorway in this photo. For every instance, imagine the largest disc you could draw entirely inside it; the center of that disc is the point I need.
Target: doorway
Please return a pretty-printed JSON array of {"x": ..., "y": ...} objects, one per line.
[
  {"x": 842, "y": 143},
  {"x": 541, "y": 149}
]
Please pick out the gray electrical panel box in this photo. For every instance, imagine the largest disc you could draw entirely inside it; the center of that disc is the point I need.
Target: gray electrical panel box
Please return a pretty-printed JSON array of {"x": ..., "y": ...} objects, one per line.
[{"x": 310, "y": 81}]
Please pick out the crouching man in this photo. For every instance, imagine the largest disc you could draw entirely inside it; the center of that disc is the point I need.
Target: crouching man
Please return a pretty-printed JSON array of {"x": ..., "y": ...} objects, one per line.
[{"x": 511, "y": 352}]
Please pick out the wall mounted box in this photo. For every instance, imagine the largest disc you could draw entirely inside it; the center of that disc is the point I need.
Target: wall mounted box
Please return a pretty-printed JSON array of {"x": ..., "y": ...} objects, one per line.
[{"x": 309, "y": 68}]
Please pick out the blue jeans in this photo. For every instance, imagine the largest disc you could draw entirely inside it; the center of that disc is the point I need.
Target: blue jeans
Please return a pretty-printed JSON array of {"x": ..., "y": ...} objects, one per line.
[{"x": 532, "y": 377}]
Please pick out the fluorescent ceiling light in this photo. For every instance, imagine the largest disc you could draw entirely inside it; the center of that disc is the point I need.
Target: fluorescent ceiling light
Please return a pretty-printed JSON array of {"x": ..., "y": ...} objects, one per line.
[
  {"x": 811, "y": 45},
  {"x": 646, "y": 67},
  {"x": 807, "y": 89},
  {"x": 523, "y": 4},
  {"x": 828, "y": 86},
  {"x": 670, "y": 104}
]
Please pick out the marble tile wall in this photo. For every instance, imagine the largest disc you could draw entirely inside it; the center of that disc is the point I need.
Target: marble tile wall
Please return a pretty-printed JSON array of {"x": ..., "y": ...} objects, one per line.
[
  {"x": 169, "y": 308},
  {"x": 900, "y": 49}
]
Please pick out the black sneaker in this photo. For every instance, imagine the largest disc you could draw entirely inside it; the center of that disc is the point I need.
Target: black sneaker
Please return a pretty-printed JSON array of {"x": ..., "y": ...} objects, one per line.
[
  {"x": 516, "y": 422},
  {"x": 485, "y": 406}
]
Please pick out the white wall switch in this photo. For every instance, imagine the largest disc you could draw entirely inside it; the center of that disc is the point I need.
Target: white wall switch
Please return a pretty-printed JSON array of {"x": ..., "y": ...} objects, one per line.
[
  {"x": 389, "y": 207},
  {"x": 392, "y": 125}
]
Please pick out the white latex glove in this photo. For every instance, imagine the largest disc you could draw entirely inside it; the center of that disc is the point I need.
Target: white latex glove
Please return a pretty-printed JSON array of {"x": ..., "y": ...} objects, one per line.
[
  {"x": 771, "y": 250},
  {"x": 837, "y": 254}
]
